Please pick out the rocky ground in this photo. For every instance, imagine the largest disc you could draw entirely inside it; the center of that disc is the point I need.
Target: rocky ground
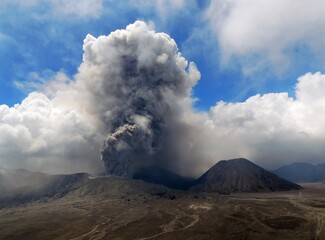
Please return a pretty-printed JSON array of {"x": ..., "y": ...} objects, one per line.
[{"x": 112, "y": 208}]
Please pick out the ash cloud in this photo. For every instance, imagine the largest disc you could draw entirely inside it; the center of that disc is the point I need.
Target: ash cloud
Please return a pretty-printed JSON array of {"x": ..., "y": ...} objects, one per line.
[
  {"x": 139, "y": 82},
  {"x": 130, "y": 105}
]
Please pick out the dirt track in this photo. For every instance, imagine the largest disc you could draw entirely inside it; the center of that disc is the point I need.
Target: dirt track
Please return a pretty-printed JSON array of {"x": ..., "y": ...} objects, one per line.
[{"x": 285, "y": 215}]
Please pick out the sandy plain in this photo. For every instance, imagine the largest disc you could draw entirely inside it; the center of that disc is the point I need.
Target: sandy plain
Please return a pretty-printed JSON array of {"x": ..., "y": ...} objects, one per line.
[{"x": 172, "y": 215}]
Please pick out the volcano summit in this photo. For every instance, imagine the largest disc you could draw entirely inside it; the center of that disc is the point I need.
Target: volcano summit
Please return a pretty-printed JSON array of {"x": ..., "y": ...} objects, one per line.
[{"x": 240, "y": 175}]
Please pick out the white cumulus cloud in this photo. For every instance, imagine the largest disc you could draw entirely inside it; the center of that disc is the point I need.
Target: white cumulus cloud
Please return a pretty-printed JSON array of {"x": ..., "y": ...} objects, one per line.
[
  {"x": 39, "y": 134},
  {"x": 273, "y": 129},
  {"x": 261, "y": 32}
]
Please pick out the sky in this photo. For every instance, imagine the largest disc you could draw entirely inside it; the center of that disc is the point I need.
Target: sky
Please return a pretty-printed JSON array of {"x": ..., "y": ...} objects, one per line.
[{"x": 259, "y": 95}]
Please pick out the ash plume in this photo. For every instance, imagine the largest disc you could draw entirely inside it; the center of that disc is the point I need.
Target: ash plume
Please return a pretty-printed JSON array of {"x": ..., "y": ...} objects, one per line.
[
  {"x": 138, "y": 82},
  {"x": 131, "y": 98}
]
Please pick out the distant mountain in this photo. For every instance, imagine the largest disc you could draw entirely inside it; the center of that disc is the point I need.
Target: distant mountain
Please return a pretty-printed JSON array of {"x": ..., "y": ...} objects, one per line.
[
  {"x": 240, "y": 175},
  {"x": 302, "y": 172},
  {"x": 158, "y": 175}
]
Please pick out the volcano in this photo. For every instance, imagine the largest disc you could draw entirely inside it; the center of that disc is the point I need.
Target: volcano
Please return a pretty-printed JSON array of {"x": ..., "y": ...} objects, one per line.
[{"x": 240, "y": 175}]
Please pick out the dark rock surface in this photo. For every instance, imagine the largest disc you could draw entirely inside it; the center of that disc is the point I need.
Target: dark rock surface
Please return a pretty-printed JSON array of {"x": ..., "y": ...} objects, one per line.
[{"x": 240, "y": 175}]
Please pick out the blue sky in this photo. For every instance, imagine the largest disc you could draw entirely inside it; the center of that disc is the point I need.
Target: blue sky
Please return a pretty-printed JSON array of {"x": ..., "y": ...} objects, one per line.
[
  {"x": 260, "y": 94},
  {"x": 40, "y": 36}
]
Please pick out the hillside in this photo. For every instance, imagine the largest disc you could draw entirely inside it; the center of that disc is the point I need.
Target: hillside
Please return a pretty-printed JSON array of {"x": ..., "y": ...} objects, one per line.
[
  {"x": 21, "y": 186},
  {"x": 240, "y": 175}
]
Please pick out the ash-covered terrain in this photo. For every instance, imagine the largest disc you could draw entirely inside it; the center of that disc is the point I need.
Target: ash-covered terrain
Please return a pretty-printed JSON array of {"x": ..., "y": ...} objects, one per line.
[
  {"x": 232, "y": 176},
  {"x": 116, "y": 208},
  {"x": 82, "y": 206}
]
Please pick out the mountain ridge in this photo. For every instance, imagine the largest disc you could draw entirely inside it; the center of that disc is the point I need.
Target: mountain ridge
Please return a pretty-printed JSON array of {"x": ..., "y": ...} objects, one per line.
[
  {"x": 302, "y": 172},
  {"x": 225, "y": 177}
]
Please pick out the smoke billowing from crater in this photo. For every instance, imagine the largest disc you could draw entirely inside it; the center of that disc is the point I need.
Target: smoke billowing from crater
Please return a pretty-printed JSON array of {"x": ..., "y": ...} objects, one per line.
[
  {"x": 130, "y": 106},
  {"x": 139, "y": 83}
]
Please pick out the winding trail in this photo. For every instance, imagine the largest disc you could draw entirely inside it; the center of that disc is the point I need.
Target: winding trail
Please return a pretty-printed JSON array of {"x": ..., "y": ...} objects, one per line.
[
  {"x": 320, "y": 220},
  {"x": 171, "y": 226},
  {"x": 93, "y": 231},
  {"x": 319, "y": 227}
]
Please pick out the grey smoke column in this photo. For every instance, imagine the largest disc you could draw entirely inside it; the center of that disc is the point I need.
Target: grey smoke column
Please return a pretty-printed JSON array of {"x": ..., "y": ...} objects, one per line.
[{"x": 138, "y": 81}]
